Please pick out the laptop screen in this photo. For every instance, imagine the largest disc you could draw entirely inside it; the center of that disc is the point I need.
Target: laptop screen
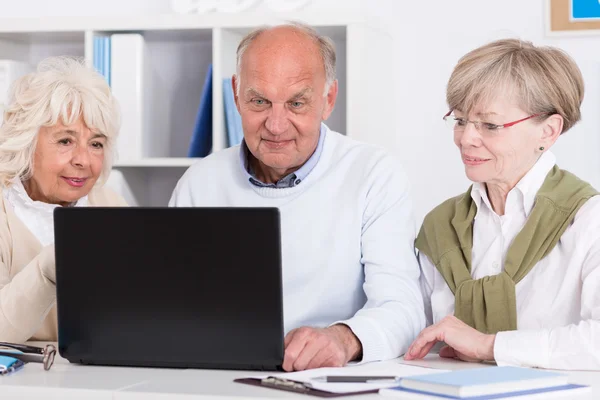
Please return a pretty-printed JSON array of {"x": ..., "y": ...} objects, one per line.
[{"x": 187, "y": 287}]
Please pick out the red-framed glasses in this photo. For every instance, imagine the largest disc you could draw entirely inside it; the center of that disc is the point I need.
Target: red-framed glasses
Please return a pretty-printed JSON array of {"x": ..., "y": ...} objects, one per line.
[{"x": 459, "y": 124}]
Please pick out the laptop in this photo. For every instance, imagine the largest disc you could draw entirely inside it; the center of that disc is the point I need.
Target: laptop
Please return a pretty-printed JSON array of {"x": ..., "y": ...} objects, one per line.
[{"x": 170, "y": 287}]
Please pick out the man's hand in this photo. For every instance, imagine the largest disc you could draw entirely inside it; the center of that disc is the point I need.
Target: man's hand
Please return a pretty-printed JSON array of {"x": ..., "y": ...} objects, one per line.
[
  {"x": 463, "y": 342},
  {"x": 307, "y": 348}
]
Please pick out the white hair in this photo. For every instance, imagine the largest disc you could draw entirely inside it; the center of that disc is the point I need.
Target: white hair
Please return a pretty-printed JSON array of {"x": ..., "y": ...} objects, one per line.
[
  {"x": 325, "y": 44},
  {"x": 62, "y": 90}
]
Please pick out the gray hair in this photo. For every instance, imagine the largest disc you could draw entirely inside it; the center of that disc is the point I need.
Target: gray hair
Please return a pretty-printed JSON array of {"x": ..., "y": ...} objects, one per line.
[
  {"x": 62, "y": 90},
  {"x": 325, "y": 44}
]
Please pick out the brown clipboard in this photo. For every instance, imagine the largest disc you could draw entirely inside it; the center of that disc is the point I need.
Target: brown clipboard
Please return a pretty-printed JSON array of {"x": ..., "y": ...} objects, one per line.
[{"x": 296, "y": 387}]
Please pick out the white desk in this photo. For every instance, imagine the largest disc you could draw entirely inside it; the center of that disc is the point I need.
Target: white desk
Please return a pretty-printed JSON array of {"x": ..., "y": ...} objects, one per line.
[{"x": 70, "y": 381}]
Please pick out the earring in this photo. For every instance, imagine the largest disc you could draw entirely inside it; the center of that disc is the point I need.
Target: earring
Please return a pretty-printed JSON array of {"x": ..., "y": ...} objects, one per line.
[{"x": 542, "y": 148}]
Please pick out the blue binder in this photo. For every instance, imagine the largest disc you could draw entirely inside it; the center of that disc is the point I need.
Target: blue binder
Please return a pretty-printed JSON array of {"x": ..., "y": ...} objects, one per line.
[
  {"x": 201, "y": 142},
  {"x": 233, "y": 120}
]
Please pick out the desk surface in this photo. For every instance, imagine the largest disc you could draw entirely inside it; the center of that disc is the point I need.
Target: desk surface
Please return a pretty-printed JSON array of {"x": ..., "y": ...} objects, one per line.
[{"x": 70, "y": 381}]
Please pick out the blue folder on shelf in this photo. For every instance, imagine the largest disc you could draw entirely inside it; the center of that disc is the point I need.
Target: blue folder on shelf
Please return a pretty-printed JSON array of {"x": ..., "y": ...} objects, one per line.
[
  {"x": 96, "y": 59},
  {"x": 101, "y": 59},
  {"x": 106, "y": 59},
  {"x": 201, "y": 141},
  {"x": 233, "y": 120}
]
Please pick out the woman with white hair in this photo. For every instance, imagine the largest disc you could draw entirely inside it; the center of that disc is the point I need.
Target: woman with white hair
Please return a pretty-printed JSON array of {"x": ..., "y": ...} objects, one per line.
[
  {"x": 56, "y": 146},
  {"x": 511, "y": 268}
]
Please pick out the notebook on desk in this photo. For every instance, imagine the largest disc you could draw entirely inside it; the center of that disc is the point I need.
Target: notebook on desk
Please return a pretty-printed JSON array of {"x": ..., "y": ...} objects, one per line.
[
  {"x": 484, "y": 384},
  {"x": 485, "y": 381},
  {"x": 564, "y": 392},
  {"x": 170, "y": 287}
]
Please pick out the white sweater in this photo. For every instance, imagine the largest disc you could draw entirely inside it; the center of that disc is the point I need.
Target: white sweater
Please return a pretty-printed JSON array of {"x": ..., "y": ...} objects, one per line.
[{"x": 347, "y": 240}]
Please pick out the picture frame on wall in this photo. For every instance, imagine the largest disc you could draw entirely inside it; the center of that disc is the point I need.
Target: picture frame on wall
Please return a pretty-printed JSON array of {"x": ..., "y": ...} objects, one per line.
[{"x": 573, "y": 17}]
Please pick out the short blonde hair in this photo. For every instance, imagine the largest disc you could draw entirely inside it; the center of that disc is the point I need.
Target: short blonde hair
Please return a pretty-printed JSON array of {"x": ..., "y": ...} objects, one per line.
[
  {"x": 63, "y": 89},
  {"x": 546, "y": 80}
]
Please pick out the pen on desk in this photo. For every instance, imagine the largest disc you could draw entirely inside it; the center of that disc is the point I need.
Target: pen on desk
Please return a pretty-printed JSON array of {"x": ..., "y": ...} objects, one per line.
[{"x": 355, "y": 379}]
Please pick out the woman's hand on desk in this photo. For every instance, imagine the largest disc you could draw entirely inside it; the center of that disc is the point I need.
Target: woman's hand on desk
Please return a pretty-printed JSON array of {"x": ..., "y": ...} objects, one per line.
[
  {"x": 462, "y": 341},
  {"x": 308, "y": 348}
]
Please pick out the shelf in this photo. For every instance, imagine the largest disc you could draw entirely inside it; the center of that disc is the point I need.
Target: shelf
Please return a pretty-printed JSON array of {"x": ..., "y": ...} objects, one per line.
[
  {"x": 179, "y": 48},
  {"x": 157, "y": 162},
  {"x": 41, "y": 36}
]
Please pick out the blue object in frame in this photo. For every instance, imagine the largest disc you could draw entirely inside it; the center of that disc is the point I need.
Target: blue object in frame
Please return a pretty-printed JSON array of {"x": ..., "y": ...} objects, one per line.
[
  {"x": 97, "y": 54},
  {"x": 585, "y": 9},
  {"x": 106, "y": 59},
  {"x": 9, "y": 364},
  {"x": 201, "y": 141},
  {"x": 233, "y": 120}
]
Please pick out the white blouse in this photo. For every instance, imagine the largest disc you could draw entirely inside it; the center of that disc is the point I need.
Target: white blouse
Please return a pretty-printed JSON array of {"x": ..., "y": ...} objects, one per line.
[
  {"x": 37, "y": 216},
  {"x": 558, "y": 302}
]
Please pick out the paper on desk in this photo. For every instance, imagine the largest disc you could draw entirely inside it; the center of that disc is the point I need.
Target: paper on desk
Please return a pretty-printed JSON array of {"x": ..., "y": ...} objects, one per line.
[{"x": 372, "y": 369}]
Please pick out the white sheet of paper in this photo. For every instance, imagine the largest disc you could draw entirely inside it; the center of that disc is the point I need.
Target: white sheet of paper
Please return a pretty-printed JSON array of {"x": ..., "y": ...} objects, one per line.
[{"x": 371, "y": 369}]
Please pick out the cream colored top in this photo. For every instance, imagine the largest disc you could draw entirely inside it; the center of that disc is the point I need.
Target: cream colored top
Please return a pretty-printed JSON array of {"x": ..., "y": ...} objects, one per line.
[
  {"x": 27, "y": 290},
  {"x": 37, "y": 216}
]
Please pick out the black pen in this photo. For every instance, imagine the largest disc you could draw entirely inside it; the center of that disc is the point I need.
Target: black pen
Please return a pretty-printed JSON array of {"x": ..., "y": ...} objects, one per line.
[{"x": 354, "y": 379}]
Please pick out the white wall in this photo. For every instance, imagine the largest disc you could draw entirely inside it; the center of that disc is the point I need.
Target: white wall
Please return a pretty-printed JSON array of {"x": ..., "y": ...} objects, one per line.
[
  {"x": 430, "y": 37},
  {"x": 77, "y": 8},
  {"x": 46, "y": 8}
]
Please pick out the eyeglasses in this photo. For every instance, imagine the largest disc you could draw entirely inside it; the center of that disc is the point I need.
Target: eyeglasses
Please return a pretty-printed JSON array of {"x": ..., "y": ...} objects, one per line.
[
  {"x": 48, "y": 353},
  {"x": 460, "y": 124}
]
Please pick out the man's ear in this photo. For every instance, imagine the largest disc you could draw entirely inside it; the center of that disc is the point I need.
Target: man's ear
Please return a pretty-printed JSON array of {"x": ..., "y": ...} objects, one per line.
[
  {"x": 551, "y": 130},
  {"x": 330, "y": 99},
  {"x": 234, "y": 80}
]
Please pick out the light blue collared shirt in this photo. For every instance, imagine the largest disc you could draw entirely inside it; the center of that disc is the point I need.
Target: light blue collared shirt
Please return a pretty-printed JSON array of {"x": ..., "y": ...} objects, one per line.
[{"x": 290, "y": 180}]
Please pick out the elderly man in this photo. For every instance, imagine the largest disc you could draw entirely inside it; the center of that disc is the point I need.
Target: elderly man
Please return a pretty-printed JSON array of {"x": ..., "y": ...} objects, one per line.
[{"x": 350, "y": 275}]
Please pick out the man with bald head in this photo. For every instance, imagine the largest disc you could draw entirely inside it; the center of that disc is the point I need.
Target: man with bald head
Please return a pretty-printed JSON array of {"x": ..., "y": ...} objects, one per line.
[{"x": 350, "y": 275}]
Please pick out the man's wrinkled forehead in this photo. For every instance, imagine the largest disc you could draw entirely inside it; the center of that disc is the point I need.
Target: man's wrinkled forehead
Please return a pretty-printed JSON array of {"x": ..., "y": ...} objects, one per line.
[{"x": 282, "y": 54}]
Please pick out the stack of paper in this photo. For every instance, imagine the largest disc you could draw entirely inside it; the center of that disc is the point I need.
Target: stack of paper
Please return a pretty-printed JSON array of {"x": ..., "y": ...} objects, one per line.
[{"x": 312, "y": 380}]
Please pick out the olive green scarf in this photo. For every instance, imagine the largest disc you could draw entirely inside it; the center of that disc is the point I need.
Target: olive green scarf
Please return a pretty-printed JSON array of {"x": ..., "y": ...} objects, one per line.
[{"x": 446, "y": 238}]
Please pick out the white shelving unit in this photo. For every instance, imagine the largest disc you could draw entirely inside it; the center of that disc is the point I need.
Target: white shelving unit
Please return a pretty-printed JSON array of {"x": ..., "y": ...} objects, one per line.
[{"x": 181, "y": 48}]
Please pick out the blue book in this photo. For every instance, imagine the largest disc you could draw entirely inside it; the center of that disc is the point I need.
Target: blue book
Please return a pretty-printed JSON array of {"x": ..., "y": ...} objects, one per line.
[
  {"x": 484, "y": 381},
  {"x": 106, "y": 59},
  {"x": 101, "y": 55},
  {"x": 97, "y": 53},
  {"x": 564, "y": 391},
  {"x": 201, "y": 141},
  {"x": 233, "y": 120}
]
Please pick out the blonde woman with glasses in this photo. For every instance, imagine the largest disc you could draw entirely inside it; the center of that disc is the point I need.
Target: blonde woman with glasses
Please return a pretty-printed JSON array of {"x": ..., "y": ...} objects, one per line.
[
  {"x": 511, "y": 268},
  {"x": 56, "y": 144}
]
